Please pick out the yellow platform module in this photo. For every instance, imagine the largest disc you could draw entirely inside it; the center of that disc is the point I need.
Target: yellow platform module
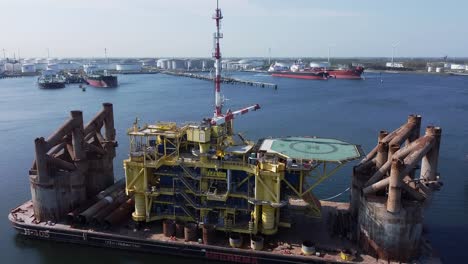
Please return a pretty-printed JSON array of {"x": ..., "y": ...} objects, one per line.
[{"x": 207, "y": 174}]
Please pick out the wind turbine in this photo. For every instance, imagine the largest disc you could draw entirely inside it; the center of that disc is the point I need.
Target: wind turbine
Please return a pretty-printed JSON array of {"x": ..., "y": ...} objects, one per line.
[{"x": 393, "y": 52}]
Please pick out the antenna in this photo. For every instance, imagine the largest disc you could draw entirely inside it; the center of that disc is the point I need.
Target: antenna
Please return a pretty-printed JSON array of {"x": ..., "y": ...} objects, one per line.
[
  {"x": 48, "y": 53},
  {"x": 4, "y": 54}
]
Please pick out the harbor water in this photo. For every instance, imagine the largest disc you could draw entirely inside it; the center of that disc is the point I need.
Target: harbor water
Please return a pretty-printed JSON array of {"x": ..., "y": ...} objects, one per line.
[{"x": 352, "y": 111}]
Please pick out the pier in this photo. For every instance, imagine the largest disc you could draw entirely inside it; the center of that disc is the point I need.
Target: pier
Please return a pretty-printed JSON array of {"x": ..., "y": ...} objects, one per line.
[{"x": 227, "y": 80}]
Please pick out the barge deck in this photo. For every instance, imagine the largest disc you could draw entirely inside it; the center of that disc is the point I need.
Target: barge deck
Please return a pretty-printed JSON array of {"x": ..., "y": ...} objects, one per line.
[{"x": 285, "y": 247}]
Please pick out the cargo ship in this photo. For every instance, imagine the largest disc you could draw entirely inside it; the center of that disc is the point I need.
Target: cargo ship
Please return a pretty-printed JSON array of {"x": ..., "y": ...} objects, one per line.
[
  {"x": 297, "y": 71},
  {"x": 353, "y": 73},
  {"x": 201, "y": 190},
  {"x": 101, "y": 80},
  {"x": 305, "y": 74},
  {"x": 51, "y": 82}
]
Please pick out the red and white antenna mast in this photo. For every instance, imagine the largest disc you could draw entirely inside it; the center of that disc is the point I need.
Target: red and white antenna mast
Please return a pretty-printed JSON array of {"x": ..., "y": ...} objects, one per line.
[
  {"x": 218, "y": 117},
  {"x": 217, "y": 56}
]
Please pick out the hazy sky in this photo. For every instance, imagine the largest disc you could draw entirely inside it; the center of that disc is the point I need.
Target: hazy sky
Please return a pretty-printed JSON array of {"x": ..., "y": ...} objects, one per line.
[{"x": 156, "y": 28}]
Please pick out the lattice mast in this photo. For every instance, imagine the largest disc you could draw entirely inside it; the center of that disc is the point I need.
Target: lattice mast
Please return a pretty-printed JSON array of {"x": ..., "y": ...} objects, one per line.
[
  {"x": 217, "y": 56},
  {"x": 218, "y": 117}
]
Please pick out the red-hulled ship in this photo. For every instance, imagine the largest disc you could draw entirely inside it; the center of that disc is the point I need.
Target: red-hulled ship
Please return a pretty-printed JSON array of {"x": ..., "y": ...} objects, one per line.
[
  {"x": 306, "y": 74},
  {"x": 102, "y": 80},
  {"x": 350, "y": 73},
  {"x": 297, "y": 71}
]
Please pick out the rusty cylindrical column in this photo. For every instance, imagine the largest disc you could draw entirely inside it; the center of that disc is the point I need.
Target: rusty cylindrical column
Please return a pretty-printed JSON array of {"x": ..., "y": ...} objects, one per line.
[
  {"x": 41, "y": 159},
  {"x": 382, "y": 154},
  {"x": 169, "y": 227},
  {"x": 430, "y": 161},
  {"x": 78, "y": 135},
  {"x": 208, "y": 234},
  {"x": 394, "y": 188},
  {"x": 415, "y": 119},
  {"x": 78, "y": 177},
  {"x": 190, "y": 232},
  {"x": 179, "y": 229},
  {"x": 109, "y": 121}
]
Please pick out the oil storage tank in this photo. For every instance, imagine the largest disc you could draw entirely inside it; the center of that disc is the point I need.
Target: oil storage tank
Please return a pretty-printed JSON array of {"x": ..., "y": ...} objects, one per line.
[
  {"x": 194, "y": 65},
  {"x": 178, "y": 64},
  {"x": 207, "y": 65}
]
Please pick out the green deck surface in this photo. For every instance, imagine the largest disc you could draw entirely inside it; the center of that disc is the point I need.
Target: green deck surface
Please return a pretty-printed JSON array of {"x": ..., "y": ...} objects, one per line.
[{"x": 320, "y": 149}]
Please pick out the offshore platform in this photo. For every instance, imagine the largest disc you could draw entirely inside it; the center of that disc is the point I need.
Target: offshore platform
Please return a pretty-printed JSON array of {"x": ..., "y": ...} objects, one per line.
[
  {"x": 200, "y": 190},
  {"x": 208, "y": 174}
]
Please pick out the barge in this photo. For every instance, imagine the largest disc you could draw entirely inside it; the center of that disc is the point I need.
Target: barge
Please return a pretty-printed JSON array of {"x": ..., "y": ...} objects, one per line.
[{"x": 201, "y": 190}]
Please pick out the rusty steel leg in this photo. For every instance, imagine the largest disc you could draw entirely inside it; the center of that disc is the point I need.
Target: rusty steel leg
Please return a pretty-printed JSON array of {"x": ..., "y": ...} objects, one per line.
[
  {"x": 109, "y": 121},
  {"x": 382, "y": 154},
  {"x": 394, "y": 190},
  {"x": 78, "y": 135},
  {"x": 430, "y": 160},
  {"x": 414, "y": 136},
  {"x": 41, "y": 160},
  {"x": 407, "y": 130}
]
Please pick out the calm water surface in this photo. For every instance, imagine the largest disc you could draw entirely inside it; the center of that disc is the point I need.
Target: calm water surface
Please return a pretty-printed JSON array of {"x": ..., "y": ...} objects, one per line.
[{"x": 353, "y": 111}]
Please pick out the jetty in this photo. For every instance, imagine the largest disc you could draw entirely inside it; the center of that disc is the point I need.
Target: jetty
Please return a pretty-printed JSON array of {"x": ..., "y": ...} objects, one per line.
[{"x": 227, "y": 80}]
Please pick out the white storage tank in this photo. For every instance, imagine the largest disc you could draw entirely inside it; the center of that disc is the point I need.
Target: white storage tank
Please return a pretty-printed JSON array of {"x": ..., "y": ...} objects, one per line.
[
  {"x": 178, "y": 64},
  {"x": 133, "y": 67},
  {"x": 207, "y": 64},
  {"x": 194, "y": 65},
  {"x": 160, "y": 63},
  {"x": 439, "y": 69},
  {"x": 12, "y": 67},
  {"x": 166, "y": 64},
  {"x": 429, "y": 69},
  {"x": 28, "y": 68}
]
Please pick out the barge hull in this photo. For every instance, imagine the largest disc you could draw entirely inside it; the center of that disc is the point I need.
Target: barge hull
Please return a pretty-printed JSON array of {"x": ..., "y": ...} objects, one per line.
[{"x": 107, "y": 240}]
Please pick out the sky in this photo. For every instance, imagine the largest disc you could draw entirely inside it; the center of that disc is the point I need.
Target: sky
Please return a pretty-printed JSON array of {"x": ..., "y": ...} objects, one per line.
[{"x": 184, "y": 28}]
